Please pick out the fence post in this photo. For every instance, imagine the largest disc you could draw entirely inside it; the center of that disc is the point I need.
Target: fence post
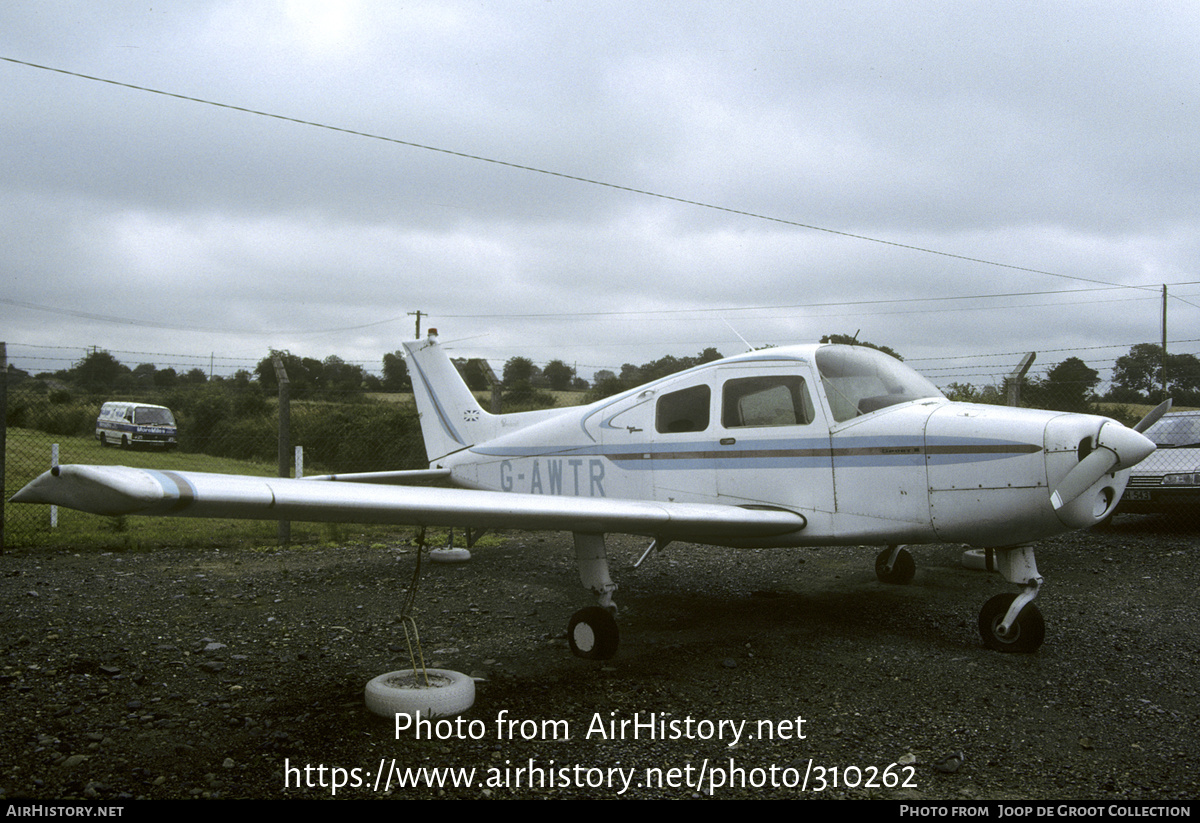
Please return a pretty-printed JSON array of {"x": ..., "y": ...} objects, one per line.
[
  {"x": 285, "y": 437},
  {"x": 493, "y": 382},
  {"x": 53, "y": 465},
  {"x": 1017, "y": 376}
]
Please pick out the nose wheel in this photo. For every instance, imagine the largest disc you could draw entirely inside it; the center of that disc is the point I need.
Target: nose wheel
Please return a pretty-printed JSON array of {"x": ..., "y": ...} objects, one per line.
[
  {"x": 1011, "y": 622},
  {"x": 1024, "y": 635},
  {"x": 895, "y": 565}
]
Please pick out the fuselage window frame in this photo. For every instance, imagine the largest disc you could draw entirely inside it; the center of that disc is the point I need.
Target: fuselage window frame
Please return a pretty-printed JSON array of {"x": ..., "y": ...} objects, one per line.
[
  {"x": 763, "y": 401},
  {"x": 686, "y": 410}
]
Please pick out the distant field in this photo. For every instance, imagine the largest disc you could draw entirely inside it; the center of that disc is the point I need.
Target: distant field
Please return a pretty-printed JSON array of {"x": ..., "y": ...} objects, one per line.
[{"x": 28, "y": 455}]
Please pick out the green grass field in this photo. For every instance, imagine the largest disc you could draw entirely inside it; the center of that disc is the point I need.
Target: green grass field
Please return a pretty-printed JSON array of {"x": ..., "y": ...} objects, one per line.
[{"x": 28, "y": 455}]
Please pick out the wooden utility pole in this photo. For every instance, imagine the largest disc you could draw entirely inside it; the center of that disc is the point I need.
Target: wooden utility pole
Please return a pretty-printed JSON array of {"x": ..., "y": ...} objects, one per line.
[
  {"x": 418, "y": 315},
  {"x": 1163, "y": 371}
]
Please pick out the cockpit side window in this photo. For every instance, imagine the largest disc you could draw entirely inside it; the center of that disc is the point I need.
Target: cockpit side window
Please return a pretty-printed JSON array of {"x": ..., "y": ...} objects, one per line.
[
  {"x": 683, "y": 411},
  {"x": 771, "y": 400}
]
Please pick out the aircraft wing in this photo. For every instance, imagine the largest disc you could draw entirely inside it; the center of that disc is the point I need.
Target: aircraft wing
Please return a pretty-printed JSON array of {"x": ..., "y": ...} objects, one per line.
[{"x": 121, "y": 490}]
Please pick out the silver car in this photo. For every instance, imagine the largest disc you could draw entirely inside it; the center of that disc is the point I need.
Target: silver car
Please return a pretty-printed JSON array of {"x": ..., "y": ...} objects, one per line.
[{"x": 1169, "y": 479}]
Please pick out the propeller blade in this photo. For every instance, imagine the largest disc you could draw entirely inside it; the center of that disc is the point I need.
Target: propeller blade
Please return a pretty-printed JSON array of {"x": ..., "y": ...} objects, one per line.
[
  {"x": 1080, "y": 479},
  {"x": 1154, "y": 415},
  {"x": 1117, "y": 448}
]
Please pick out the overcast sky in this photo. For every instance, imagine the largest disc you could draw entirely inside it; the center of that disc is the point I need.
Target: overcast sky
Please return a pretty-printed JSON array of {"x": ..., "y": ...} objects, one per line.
[{"x": 821, "y": 147}]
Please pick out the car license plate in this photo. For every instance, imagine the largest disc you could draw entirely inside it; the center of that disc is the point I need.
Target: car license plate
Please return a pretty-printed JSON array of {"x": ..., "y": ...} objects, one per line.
[{"x": 1138, "y": 494}]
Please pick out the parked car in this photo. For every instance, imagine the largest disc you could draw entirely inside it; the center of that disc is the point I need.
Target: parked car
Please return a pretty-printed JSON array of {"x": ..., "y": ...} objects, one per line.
[
  {"x": 129, "y": 425},
  {"x": 1169, "y": 479}
]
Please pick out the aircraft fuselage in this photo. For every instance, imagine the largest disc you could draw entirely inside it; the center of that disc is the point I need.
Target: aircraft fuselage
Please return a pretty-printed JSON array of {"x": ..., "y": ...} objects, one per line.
[{"x": 839, "y": 442}]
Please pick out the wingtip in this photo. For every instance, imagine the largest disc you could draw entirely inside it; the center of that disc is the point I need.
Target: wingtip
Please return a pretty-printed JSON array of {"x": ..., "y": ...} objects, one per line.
[{"x": 107, "y": 490}]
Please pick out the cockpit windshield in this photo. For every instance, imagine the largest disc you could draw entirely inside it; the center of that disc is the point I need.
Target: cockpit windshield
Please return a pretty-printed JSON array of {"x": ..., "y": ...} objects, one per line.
[{"x": 859, "y": 380}]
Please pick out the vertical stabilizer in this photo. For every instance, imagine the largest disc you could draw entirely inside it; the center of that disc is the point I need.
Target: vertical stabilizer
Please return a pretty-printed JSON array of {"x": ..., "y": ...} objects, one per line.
[{"x": 451, "y": 418}]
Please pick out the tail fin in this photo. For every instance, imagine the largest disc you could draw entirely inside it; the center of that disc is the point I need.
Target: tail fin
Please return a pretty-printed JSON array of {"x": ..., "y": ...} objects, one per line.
[{"x": 451, "y": 418}]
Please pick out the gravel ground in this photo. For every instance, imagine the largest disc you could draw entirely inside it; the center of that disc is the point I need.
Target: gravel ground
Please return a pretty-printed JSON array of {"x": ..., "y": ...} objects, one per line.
[{"x": 201, "y": 673}]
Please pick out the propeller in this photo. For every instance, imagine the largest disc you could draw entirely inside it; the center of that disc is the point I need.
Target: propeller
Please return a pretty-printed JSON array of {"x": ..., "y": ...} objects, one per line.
[
  {"x": 1153, "y": 417},
  {"x": 1116, "y": 448}
]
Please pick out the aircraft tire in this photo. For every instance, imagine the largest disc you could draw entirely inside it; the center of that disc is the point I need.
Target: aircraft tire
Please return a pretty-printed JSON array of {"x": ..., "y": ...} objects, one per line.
[
  {"x": 592, "y": 634},
  {"x": 903, "y": 570},
  {"x": 1027, "y": 632},
  {"x": 449, "y": 694}
]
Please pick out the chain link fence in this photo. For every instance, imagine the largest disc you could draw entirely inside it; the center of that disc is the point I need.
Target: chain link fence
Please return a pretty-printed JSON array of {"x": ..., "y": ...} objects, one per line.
[{"x": 223, "y": 426}]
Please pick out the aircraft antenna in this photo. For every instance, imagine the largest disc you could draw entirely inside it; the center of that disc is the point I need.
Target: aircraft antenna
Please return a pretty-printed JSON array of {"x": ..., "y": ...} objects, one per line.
[{"x": 739, "y": 337}]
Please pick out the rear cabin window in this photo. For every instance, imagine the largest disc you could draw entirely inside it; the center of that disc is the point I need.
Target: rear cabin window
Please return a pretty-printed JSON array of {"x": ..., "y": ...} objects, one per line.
[
  {"x": 774, "y": 400},
  {"x": 683, "y": 411}
]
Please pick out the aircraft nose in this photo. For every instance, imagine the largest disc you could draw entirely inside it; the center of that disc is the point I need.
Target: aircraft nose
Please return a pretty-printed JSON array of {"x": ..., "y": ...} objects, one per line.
[
  {"x": 1104, "y": 451},
  {"x": 1129, "y": 446}
]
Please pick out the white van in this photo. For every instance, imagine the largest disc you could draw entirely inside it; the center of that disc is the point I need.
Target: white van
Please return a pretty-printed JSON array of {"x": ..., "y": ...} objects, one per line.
[{"x": 136, "y": 424}]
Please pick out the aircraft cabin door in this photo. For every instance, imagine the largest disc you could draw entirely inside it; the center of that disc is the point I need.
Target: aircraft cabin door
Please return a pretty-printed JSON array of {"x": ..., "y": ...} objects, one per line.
[{"x": 773, "y": 438}]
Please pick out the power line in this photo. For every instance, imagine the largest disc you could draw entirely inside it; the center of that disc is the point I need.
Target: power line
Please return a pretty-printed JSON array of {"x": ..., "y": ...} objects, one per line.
[{"x": 563, "y": 175}]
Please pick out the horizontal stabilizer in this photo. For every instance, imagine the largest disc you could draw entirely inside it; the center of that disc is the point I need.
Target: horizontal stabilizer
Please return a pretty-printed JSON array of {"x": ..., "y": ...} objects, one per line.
[{"x": 120, "y": 490}]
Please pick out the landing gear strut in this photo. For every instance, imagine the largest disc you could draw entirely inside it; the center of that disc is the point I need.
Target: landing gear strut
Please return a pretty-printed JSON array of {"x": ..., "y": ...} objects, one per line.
[
  {"x": 1011, "y": 622},
  {"x": 592, "y": 632}
]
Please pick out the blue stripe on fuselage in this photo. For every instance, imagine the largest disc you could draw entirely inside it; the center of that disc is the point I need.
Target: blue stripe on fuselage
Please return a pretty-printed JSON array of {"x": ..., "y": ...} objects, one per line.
[{"x": 812, "y": 452}]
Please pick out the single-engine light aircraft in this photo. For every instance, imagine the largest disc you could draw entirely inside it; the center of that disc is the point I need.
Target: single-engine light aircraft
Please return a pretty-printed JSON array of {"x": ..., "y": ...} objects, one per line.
[{"x": 795, "y": 446}]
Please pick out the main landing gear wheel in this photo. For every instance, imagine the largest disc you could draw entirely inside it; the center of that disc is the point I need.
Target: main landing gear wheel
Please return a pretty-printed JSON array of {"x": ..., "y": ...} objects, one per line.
[
  {"x": 1026, "y": 634},
  {"x": 592, "y": 633},
  {"x": 902, "y": 570}
]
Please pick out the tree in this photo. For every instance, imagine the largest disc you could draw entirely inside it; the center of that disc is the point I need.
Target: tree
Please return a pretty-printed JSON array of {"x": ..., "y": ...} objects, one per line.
[
  {"x": 1138, "y": 373},
  {"x": 339, "y": 377},
  {"x": 606, "y": 384},
  {"x": 144, "y": 374},
  {"x": 559, "y": 375},
  {"x": 1137, "y": 376},
  {"x": 165, "y": 378},
  {"x": 98, "y": 371},
  {"x": 473, "y": 372},
  {"x": 1066, "y": 387},
  {"x": 395, "y": 373},
  {"x": 303, "y": 374},
  {"x": 519, "y": 370},
  {"x": 847, "y": 340}
]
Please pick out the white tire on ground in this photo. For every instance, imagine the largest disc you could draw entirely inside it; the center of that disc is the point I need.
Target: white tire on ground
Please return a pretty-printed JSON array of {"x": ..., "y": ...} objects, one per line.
[
  {"x": 449, "y": 555},
  {"x": 404, "y": 692},
  {"x": 975, "y": 559}
]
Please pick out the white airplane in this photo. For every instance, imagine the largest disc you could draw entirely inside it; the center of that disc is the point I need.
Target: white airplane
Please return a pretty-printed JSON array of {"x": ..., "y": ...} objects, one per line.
[{"x": 796, "y": 446}]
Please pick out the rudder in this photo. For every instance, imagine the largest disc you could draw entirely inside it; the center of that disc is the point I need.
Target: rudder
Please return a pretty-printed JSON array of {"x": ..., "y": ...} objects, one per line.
[{"x": 451, "y": 417}]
